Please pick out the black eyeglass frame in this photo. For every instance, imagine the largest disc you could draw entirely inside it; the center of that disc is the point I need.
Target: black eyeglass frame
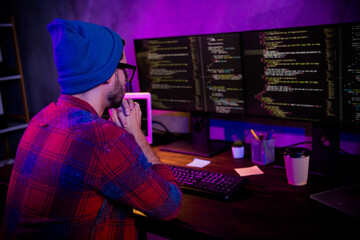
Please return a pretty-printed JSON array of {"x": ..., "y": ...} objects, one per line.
[{"x": 125, "y": 66}]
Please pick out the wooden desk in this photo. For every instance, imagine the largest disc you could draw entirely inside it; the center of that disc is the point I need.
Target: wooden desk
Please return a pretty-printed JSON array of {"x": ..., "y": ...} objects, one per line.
[{"x": 269, "y": 208}]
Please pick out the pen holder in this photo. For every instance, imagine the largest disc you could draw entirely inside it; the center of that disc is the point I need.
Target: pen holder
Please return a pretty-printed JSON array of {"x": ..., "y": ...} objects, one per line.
[{"x": 262, "y": 151}]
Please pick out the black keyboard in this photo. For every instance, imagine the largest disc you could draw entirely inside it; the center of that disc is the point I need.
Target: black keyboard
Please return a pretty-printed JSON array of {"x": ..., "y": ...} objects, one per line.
[{"x": 209, "y": 184}]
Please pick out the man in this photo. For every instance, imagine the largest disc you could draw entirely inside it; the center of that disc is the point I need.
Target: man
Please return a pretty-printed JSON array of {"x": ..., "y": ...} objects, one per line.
[{"x": 76, "y": 175}]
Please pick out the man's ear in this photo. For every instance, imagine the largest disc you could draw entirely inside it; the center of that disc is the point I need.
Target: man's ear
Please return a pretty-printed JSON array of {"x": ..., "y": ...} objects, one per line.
[{"x": 108, "y": 81}]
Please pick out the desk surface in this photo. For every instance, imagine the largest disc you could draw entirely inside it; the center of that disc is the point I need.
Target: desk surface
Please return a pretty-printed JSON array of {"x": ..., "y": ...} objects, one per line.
[{"x": 268, "y": 208}]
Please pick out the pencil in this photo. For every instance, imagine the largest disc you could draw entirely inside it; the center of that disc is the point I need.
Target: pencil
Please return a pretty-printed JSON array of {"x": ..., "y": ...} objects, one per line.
[{"x": 256, "y": 137}]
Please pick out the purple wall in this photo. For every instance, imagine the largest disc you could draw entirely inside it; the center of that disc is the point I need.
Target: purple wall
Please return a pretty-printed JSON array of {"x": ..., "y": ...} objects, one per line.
[{"x": 163, "y": 18}]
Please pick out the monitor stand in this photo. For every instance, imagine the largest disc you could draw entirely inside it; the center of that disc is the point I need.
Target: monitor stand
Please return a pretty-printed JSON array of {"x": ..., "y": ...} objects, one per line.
[
  {"x": 199, "y": 144},
  {"x": 325, "y": 149}
]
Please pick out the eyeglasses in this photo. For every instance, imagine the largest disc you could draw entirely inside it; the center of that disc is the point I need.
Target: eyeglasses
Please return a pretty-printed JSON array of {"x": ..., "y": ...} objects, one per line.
[{"x": 129, "y": 70}]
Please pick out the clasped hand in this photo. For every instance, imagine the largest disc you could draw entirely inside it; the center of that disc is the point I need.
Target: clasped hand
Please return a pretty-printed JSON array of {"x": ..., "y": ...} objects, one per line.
[{"x": 127, "y": 116}]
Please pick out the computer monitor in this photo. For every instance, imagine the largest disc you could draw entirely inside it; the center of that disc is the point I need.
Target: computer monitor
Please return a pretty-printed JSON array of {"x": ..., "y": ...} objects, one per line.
[
  {"x": 200, "y": 74},
  {"x": 291, "y": 73},
  {"x": 349, "y": 39},
  {"x": 306, "y": 74},
  {"x": 144, "y": 99},
  {"x": 192, "y": 73}
]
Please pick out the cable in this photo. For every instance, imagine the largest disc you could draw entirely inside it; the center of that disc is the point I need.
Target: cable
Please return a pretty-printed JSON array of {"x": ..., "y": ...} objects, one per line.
[
  {"x": 128, "y": 87},
  {"x": 167, "y": 131},
  {"x": 346, "y": 153},
  {"x": 295, "y": 144}
]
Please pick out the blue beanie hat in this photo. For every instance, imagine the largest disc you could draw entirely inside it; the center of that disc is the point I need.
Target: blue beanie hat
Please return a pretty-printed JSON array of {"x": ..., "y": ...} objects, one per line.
[{"x": 86, "y": 55}]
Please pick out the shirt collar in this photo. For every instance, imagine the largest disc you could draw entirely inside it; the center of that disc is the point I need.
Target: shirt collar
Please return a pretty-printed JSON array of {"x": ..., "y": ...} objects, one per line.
[{"x": 68, "y": 100}]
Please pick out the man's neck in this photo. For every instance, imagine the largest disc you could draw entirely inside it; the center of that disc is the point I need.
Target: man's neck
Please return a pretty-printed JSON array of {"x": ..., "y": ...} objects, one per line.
[{"x": 94, "y": 99}]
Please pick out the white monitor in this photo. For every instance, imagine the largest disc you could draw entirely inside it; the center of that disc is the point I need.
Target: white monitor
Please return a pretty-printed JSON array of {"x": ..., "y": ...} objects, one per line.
[{"x": 144, "y": 99}]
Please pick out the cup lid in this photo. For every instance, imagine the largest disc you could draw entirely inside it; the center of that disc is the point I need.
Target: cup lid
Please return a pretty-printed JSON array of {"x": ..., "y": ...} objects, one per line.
[{"x": 296, "y": 152}]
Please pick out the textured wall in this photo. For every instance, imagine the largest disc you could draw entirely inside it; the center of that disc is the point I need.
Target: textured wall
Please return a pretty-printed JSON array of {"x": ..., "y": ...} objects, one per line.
[{"x": 163, "y": 18}]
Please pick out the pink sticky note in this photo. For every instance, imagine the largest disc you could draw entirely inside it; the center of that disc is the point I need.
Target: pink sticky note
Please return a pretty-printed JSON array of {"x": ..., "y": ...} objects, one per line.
[{"x": 254, "y": 170}]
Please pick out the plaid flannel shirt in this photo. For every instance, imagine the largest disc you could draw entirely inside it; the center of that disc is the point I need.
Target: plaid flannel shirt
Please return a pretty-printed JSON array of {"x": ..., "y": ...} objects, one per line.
[{"x": 78, "y": 176}]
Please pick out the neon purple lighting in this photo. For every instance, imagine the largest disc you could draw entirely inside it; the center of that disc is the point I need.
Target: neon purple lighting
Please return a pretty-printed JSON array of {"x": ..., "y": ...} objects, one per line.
[{"x": 163, "y": 18}]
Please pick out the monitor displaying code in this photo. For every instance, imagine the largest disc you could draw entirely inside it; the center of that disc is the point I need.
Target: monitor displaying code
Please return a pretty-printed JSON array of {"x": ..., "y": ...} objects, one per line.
[
  {"x": 291, "y": 73},
  {"x": 192, "y": 73}
]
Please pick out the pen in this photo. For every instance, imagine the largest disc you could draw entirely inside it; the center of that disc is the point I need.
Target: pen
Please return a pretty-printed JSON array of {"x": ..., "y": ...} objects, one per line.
[
  {"x": 256, "y": 137},
  {"x": 270, "y": 135},
  {"x": 261, "y": 137},
  {"x": 267, "y": 136}
]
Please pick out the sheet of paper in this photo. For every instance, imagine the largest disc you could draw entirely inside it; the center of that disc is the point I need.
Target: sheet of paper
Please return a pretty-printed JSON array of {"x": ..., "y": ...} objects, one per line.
[
  {"x": 200, "y": 163},
  {"x": 254, "y": 170}
]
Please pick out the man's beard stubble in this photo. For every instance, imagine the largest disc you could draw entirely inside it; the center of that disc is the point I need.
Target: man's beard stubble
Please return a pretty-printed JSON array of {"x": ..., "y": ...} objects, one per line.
[{"x": 116, "y": 96}]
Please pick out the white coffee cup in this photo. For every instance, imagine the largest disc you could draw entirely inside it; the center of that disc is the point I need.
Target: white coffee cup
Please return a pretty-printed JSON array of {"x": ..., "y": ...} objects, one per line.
[{"x": 297, "y": 165}]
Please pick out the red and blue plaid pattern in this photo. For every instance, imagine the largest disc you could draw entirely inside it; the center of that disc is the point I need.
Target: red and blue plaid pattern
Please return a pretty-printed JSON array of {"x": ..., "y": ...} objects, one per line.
[{"x": 78, "y": 176}]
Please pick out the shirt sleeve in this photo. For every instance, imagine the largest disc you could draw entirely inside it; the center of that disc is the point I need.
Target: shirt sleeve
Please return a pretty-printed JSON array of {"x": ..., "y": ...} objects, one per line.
[{"x": 129, "y": 179}]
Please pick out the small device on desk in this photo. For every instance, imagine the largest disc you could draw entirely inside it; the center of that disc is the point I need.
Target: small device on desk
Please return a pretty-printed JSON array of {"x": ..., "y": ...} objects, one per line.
[
  {"x": 144, "y": 99},
  {"x": 345, "y": 199},
  {"x": 208, "y": 184}
]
